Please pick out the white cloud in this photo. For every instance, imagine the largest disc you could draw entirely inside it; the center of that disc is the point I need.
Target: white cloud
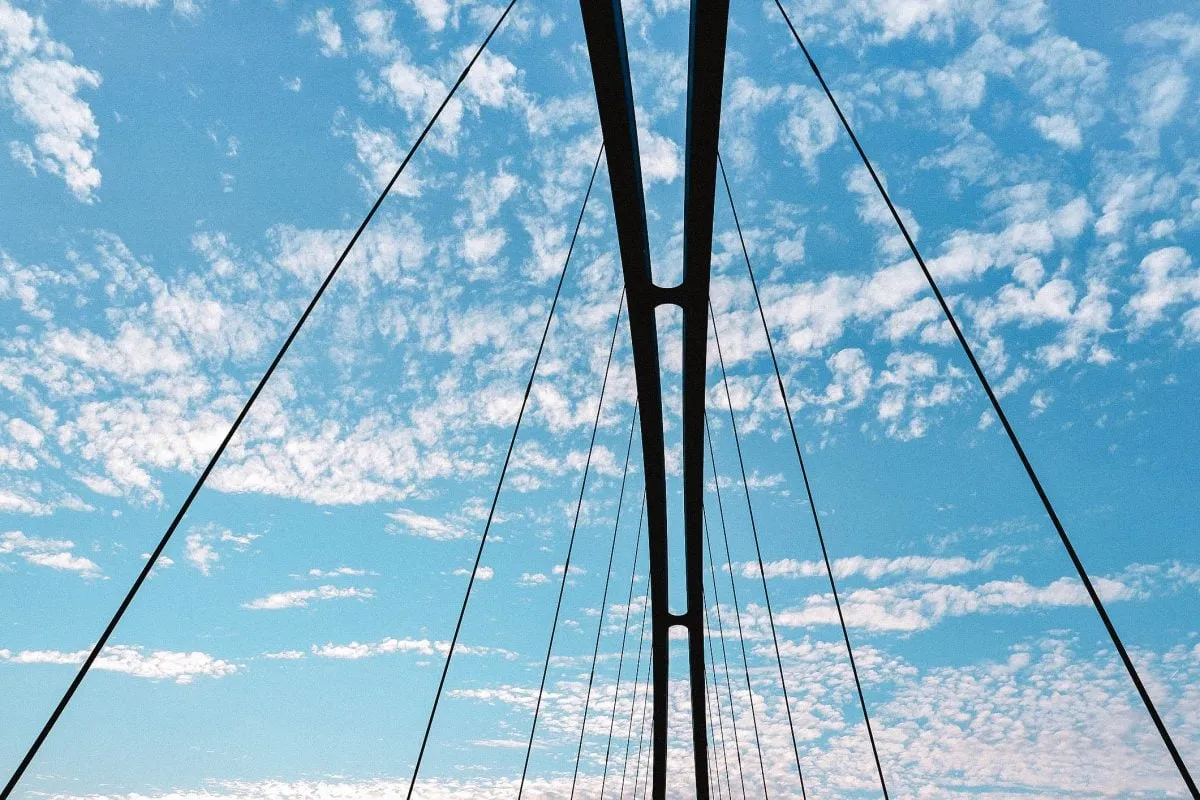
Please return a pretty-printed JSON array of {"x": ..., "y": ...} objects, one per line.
[
  {"x": 481, "y": 574},
  {"x": 51, "y": 553},
  {"x": 41, "y": 84},
  {"x": 380, "y": 156},
  {"x": 1159, "y": 94},
  {"x": 327, "y": 31},
  {"x": 340, "y": 572},
  {"x": 434, "y": 12},
  {"x": 958, "y": 88},
  {"x": 811, "y": 128},
  {"x": 300, "y": 598},
  {"x": 915, "y": 606},
  {"x": 850, "y": 380},
  {"x": 203, "y": 546},
  {"x": 354, "y": 650},
  {"x": 200, "y": 553},
  {"x": 1166, "y": 279},
  {"x": 415, "y": 524},
  {"x": 662, "y": 160},
  {"x": 396, "y": 246},
  {"x": 913, "y": 384},
  {"x": 482, "y": 246},
  {"x": 181, "y": 667},
  {"x": 141, "y": 4},
  {"x": 1042, "y": 719},
  {"x": 184, "y": 8},
  {"x": 424, "y": 647},
  {"x": 284, "y": 655},
  {"x": 875, "y": 568},
  {"x": 1061, "y": 129},
  {"x": 493, "y": 81}
]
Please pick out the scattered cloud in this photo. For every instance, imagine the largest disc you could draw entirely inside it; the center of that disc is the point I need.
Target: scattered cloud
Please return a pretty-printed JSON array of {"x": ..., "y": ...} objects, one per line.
[
  {"x": 874, "y": 569},
  {"x": 56, "y": 554},
  {"x": 414, "y": 524},
  {"x": 322, "y": 25},
  {"x": 41, "y": 84},
  {"x": 156, "y": 665},
  {"x": 301, "y": 598},
  {"x": 423, "y": 647}
]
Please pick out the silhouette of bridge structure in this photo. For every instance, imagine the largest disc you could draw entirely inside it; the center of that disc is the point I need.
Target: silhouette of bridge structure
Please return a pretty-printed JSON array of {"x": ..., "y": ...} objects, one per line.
[{"x": 704, "y": 181}]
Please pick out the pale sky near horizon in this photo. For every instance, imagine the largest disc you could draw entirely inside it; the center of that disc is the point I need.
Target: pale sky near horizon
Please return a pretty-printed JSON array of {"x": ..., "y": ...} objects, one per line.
[{"x": 178, "y": 175}]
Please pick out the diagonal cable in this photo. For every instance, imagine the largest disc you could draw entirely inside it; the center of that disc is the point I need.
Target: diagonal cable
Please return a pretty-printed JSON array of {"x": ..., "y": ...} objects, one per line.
[
  {"x": 757, "y": 550},
  {"x": 716, "y": 684},
  {"x": 714, "y": 778},
  {"x": 636, "y": 683},
  {"x": 637, "y": 763},
  {"x": 566, "y": 570},
  {"x": 737, "y": 745},
  {"x": 604, "y": 598},
  {"x": 787, "y": 409},
  {"x": 712, "y": 731},
  {"x": 233, "y": 429},
  {"x": 500, "y": 482},
  {"x": 612, "y": 721},
  {"x": 737, "y": 613},
  {"x": 1165, "y": 734}
]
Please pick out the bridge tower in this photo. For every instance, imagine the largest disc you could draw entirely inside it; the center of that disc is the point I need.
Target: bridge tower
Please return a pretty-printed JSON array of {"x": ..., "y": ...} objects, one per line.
[{"x": 605, "y": 30}]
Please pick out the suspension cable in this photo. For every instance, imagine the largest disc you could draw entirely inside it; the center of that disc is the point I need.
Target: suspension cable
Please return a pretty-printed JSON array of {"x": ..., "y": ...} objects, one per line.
[
  {"x": 714, "y": 777},
  {"x": 636, "y": 684},
  {"x": 621, "y": 660},
  {"x": 604, "y": 598},
  {"x": 862, "y": 700},
  {"x": 737, "y": 613},
  {"x": 757, "y": 549},
  {"x": 637, "y": 763},
  {"x": 233, "y": 429},
  {"x": 500, "y": 482},
  {"x": 737, "y": 745},
  {"x": 716, "y": 684},
  {"x": 1008, "y": 428},
  {"x": 712, "y": 665},
  {"x": 566, "y": 570}
]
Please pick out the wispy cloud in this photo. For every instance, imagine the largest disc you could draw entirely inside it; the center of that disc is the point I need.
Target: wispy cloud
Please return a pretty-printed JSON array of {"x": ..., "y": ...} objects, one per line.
[
  {"x": 51, "y": 553},
  {"x": 181, "y": 667},
  {"x": 301, "y": 598}
]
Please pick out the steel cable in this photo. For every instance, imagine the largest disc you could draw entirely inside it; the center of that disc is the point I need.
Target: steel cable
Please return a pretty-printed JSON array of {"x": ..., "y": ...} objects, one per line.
[
  {"x": 1094, "y": 595},
  {"x": 155, "y": 554},
  {"x": 787, "y": 409},
  {"x": 566, "y": 569},
  {"x": 500, "y": 482}
]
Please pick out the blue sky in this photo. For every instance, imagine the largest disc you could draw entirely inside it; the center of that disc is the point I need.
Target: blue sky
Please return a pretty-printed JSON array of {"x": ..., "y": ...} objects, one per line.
[{"x": 181, "y": 174}]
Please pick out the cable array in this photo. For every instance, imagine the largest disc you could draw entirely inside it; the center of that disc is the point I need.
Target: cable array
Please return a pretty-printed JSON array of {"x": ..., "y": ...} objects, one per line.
[
  {"x": 500, "y": 482},
  {"x": 712, "y": 729},
  {"x": 612, "y": 721},
  {"x": 787, "y": 410},
  {"x": 637, "y": 670},
  {"x": 156, "y": 553},
  {"x": 737, "y": 745},
  {"x": 716, "y": 700},
  {"x": 1134, "y": 676},
  {"x": 716, "y": 686},
  {"x": 604, "y": 598},
  {"x": 758, "y": 552},
  {"x": 737, "y": 613},
  {"x": 637, "y": 763},
  {"x": 566, "y": 569}
]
